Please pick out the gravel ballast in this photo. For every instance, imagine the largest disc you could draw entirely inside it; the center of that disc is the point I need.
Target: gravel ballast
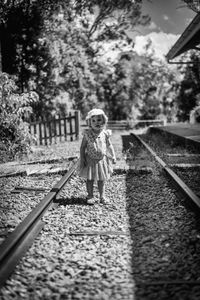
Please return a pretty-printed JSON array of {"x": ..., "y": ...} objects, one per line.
[{"x": 143, "y": 245}]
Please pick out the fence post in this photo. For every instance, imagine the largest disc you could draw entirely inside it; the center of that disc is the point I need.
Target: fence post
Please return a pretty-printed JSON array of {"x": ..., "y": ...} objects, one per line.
[
  {"x": 45, "y": 131},
  {"x": 77, "y": 123},
  {"x": 34, "y": 126},
  {"x": 40, "y": 130},
  {"x": 55, "y": 129},
  {"x": 70, "y": 126},
  {"x": 65, "y": 127},
  {"x": 60, "y": 127},
  {"x": 49, "y": 125}
]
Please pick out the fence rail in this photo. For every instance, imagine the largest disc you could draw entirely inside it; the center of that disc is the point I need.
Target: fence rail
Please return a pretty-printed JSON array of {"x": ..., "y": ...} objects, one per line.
[
  {"x": 132, "y": 124},
  {"x": 57, "y": 129}
]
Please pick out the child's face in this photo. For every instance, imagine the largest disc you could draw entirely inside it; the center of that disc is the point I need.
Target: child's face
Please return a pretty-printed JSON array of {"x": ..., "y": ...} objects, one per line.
[{"x": 97, "y": 122}]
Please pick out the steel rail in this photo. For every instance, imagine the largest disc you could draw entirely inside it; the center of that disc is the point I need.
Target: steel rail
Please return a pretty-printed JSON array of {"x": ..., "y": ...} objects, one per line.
[
  {"x": 19, "y": 240},
  {"x": 178, "y": 181}
]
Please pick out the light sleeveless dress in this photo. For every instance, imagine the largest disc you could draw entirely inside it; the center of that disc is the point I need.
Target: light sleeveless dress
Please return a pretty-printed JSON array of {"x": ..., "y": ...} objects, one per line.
[{"x": 98, "y": 158}]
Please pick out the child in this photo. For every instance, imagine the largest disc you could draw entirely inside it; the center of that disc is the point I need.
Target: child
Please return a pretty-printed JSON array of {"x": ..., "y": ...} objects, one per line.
[{"x": 96, "y": 154}]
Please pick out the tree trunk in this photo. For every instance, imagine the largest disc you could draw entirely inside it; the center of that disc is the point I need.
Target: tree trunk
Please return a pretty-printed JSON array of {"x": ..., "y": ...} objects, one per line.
[{"x": 0, "y": 58}]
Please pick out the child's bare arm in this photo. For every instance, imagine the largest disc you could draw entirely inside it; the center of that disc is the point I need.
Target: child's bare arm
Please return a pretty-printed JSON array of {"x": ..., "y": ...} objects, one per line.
[{"x": 112, "y": 151}]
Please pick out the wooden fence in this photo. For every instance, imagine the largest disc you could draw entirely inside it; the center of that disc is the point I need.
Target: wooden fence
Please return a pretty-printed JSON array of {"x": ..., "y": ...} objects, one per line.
[{"x": 57, "y": 129}]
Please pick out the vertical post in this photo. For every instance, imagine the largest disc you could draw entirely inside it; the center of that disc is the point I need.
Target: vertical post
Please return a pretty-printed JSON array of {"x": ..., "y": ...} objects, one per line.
[
  {"x": 77, "y": 123},
  {"x": 45, "y": 131},
  {"x": 55, "y": 129},
  {"x": 50, "y": 131},
  {"x": 65, "y": 127},
  {"x": 60, "y": 128},
  {"x": 70, "y": 126},
  {"x": 35, "y": 126},
  {"x": 40, "y": 130}
]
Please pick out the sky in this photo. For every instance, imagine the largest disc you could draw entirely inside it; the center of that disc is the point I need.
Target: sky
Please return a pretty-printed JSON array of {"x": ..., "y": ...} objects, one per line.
[{"x": 169, "y": 18}]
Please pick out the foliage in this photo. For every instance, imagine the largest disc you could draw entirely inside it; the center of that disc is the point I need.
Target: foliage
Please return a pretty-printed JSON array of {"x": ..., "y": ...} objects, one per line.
[
  {"x": 193, "y": 4},
  {"x": 55, "y": 45},
  {"x": 14, "y": 107},
  {"x": 128, "y": 11},
  {"x": 76, "y": 47},
  {"x": 189, "y": 91},
  {"x": 154, "y": 83},
  {"x": 141, "y": 86},
  {"x": 25, "y": 55},
  {"x": 61, "y": 50},
  {"x": 115, "y": 89}
]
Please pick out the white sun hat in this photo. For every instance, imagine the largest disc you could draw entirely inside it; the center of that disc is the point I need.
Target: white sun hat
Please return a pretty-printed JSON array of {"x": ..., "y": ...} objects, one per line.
[{"x": 96, "y": 112}]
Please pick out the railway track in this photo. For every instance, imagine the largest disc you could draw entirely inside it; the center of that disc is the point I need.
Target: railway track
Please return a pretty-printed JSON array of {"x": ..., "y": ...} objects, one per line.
[
  {"x": 131, "y": 191},
  {"x": 182, "y": 158},
  {"x": 184, "y": 188},
  {"x": 13, "y": 248}
]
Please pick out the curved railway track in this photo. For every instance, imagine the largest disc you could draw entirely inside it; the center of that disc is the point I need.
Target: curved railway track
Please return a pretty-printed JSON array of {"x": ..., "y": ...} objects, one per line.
[{"x": 14, "y": 247}]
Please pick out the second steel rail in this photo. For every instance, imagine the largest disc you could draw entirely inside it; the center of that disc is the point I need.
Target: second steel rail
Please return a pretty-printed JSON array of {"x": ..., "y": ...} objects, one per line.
[
  {"x": 184, "y": 188},
  {"x": 18, "y": 242}
]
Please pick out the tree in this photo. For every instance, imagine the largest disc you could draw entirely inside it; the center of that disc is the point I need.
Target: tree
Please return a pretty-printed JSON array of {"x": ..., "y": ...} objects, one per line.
[
  {"x": 141, "y": 86},
  {"x": 118, "y": 100},
  {"x": 154, "y": 82},
  {"x": 74, "y": 47},
  {"x": 23, "y": 53},
  {"x": 187, "y": 97},
  {"x": 78, "y": 28},
  {"x": 193, "y": 4},
  {"x": 14, "y": 107}
]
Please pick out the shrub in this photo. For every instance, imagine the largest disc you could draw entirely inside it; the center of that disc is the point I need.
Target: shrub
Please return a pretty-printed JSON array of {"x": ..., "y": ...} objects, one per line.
[{"x": 15, "y": 138}]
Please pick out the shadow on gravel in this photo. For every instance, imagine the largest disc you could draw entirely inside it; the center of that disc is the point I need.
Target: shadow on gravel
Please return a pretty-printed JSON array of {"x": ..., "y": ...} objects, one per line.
[
  {"x": 71, "y": 201},
  {"x": 126, "y": 140},
  {"x": 165, "y": 238}
]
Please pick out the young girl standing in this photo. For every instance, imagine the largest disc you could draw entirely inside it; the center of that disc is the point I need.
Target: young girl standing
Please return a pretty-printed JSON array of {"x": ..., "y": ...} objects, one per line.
[{"x": 96, "y": 154}]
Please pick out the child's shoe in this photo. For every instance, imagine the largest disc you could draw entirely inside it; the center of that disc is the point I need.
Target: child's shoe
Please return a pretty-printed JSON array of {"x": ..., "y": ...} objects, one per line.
[
  {"x": 91, "y": 200},
  {"x": 104, "y": 200}
]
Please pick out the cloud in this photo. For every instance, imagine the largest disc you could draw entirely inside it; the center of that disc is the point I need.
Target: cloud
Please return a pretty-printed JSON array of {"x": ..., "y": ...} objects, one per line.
[{"x": 161, "y": 42}]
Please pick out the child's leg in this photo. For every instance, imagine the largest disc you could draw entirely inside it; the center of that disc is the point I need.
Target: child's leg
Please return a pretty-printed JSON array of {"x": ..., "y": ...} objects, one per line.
[
  {"x": 101, "y": 188},
  {"x": 89, "y": 186}
]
